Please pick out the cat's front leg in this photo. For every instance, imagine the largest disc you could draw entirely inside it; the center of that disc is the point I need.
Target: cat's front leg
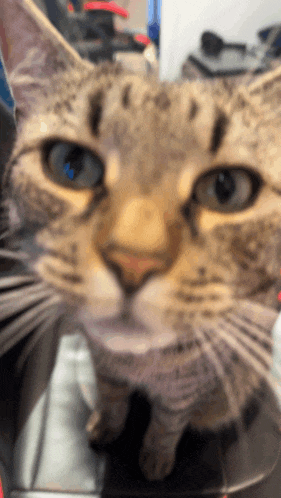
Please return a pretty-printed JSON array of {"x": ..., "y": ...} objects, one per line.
[
  {"x": 157, "y": 456},
  {"x": 108, "y": 419}
]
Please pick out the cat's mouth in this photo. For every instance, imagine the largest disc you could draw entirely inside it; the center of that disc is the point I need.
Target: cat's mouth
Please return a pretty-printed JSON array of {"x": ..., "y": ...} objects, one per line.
[{"x": 124, "y": 333}]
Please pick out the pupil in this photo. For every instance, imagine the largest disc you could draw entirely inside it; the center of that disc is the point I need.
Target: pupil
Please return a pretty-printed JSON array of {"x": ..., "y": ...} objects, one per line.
[
  {"x": 225, "y": 187},
  {"x": 72, "y": 166}
]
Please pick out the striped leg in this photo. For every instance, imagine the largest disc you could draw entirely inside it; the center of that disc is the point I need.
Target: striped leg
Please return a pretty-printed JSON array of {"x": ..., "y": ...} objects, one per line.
[
  {"x": 108, "y": 419},
  {"x": 157, "y": 456}
]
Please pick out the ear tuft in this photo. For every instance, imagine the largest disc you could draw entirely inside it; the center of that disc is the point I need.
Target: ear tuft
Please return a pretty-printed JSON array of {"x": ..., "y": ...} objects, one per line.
[{"x": 32, "y": 48}]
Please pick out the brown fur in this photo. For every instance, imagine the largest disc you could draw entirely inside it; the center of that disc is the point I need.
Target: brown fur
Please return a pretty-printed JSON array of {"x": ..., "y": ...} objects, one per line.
[{"x": 211, "y": 286}]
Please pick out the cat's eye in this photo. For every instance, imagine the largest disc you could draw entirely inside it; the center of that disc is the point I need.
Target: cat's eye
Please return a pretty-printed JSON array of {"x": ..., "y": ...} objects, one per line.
[
  {"x": 74, "y": 166},
  {"x": 227, "y": 190}
]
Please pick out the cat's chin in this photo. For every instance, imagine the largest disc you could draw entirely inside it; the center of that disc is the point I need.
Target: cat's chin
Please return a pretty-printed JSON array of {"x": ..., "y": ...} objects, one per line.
[{"x": 121, "y": 336}]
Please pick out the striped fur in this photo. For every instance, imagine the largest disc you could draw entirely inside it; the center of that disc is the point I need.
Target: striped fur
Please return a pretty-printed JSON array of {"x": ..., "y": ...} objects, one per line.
[{"x": 176, "y": 297}]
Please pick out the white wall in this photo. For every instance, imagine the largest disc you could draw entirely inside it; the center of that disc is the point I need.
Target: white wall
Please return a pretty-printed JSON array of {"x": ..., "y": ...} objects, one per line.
[{"x": 183, "y": 21}]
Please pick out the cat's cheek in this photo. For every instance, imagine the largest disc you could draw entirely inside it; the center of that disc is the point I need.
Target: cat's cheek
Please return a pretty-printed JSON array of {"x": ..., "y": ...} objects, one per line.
[{"x": 15, "y": 221}]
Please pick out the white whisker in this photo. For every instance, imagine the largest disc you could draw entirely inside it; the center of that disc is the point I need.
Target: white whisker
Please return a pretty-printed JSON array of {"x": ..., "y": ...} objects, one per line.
[
  {"x": 16, "y": 281},
  {"x": 5, "y": 234},
  {"x": 23, "y": 292},
  {"x": 252, "y": 345},
  {"x": 265, "y": 317},
  {"x": 235, "y": 410},
  {"x": 9, "y": 309},
  {"x": 46, "y": 324},
  {"x": 240, "y": 350},
  {"x": 16, "y": 255},
  {"x": 220, "y": 371},
  {"x": 22, "y": 326},
  {"x": 241, "y": 321}
]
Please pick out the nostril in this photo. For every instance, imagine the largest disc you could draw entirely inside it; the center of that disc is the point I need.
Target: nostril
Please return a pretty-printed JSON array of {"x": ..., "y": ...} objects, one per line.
[
  {"x": 131, "y": 270},
  {"x": 129, "y": 285}
]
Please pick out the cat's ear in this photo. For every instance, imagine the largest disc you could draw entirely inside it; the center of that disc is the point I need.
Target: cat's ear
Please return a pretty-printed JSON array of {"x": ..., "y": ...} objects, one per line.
[
  {"x": 266, "y": 84},
  {"x": 32, "y": 49}
]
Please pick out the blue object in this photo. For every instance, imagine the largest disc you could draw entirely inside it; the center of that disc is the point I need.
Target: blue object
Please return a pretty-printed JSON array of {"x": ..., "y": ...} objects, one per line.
[
  {"x": 68, "y": 171},
  {"x": 5, "y": 93},
  {"x": 154, "y": 20}
]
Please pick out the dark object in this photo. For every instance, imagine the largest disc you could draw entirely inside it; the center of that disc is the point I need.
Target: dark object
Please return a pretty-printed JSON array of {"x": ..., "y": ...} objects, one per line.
[
  {"x": 7, "y": 135},
  {"x": 90, "y": 29},
  {"x": 154, "y": 20},
  {"x": 5, "y": 94},
  {"x": 275, "y": 45},
  {"x": 215, "y": 58},
  {"x": 212, "y": 44}
]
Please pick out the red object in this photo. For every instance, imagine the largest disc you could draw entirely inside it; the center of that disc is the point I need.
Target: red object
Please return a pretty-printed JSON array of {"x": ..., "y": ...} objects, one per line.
[
  {"x": 279, "y": 296},
  {"x": 1, "y": 489},
  {"x": 142, "y": 39},
  {"x": 109, "y": 6}
]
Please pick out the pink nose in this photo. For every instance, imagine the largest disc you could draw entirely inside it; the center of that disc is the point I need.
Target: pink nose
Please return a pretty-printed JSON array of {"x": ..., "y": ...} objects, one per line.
[{"x": 134, "y": 269}]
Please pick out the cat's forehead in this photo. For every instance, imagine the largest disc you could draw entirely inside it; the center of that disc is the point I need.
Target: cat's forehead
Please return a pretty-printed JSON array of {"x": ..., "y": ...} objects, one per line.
[
  {"x": 150, "y": 123},
  {"x": 113, "y": 91}
]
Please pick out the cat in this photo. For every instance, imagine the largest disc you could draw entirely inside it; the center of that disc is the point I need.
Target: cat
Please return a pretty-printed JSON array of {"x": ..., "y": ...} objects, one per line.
[{"x": 151, "y": 212}]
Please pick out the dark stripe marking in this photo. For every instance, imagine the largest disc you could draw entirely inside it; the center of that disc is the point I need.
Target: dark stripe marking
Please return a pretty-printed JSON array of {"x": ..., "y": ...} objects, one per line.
[
  {"x": 201, "y": 283},
  {"x": 162, "y": 101},
  {"x": 126, "y": 96},
  {"x": 194, "y": 108},
  {"x": 73, "y": 278},
  {"x": 96, "y": 105},
  {"x": 72, "y": 260},
  {"x": 219, "y": 131}
]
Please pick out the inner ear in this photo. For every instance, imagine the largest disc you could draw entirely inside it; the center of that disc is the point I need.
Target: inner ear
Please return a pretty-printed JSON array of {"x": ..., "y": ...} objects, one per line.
[{"x": 32, "y": 48}]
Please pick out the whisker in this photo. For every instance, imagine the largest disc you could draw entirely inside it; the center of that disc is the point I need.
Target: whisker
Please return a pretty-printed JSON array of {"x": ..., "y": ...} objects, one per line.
[
  {"x": 257, "y": 325},
  {"x": 264, "y": 317},
  {"x": 22, "y": 326},
  {"x": 22, "y": 292},
  {"x": 198, "y": 352},
  {"x": 5, "y": 234},
  {"x": 47, "y": 323},
  {"x": 271, "y": 378},
  {"x": 240, "y": 349},
  {"x": 220, "y": 371},
  {"x": 16, "y": 255},
  {"x": 9, "y": 309},
  {"x": 262, "y": 334},
  {"x": 16, "y": 281},
  {"x": 236, "y": 412},
  {"x": 250, "y": 344}
]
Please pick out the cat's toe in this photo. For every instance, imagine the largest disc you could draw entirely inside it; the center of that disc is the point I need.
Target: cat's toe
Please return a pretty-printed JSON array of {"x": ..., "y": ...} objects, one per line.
[
  {"x": 99, "y": 431},
  {"x": 156, "y": 465}
]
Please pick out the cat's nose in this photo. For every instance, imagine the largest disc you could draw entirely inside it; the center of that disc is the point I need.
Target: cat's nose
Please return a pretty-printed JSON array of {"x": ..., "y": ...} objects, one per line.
[{"x": 131, "y": 270}]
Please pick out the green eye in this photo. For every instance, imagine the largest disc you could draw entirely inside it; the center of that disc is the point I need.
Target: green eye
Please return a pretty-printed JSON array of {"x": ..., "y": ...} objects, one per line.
[
  {"x": 74, "y": 166},
  {"x": 227, "y": 190}
]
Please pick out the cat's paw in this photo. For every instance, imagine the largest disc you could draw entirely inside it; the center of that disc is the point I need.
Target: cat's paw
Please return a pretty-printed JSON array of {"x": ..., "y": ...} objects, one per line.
[
  {"x": 99, "y": 432},
  {"x": 156, "y": 465}
]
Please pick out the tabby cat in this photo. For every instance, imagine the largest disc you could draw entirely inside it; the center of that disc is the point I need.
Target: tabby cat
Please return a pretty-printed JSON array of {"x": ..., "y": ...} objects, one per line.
[{"x": 151, "y": 210}]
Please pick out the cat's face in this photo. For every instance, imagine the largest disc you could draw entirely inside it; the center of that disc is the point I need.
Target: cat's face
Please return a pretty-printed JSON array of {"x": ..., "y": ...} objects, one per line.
[
  {"x": 150, "y": 202},
  {"x": 153, "y": 209}
]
